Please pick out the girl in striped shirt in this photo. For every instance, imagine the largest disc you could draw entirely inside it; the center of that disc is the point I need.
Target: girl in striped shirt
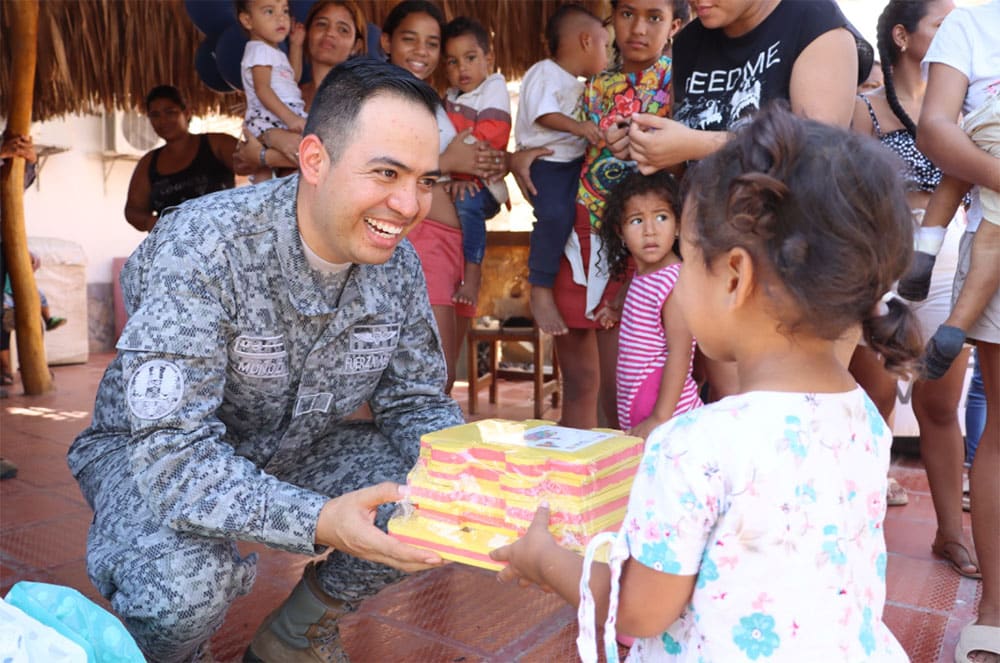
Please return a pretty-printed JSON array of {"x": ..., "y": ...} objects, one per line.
[{"x": 655, "y": 348}]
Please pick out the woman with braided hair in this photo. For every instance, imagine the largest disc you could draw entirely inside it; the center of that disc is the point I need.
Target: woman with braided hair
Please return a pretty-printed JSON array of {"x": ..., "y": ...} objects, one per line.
[{"x": 905, "y": 30}]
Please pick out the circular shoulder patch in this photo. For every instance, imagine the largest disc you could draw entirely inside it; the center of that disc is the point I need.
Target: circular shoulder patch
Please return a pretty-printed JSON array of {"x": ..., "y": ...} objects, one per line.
[{"x": 155, "y": 389}]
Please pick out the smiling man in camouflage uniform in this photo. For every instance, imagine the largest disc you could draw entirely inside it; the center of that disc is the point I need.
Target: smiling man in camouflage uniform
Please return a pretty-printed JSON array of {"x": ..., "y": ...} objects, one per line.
[{"x": 259, "y": 319}]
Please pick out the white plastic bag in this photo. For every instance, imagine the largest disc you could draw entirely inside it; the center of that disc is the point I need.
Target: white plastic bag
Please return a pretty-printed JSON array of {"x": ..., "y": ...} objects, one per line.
[{"x": 24, "y": 639}]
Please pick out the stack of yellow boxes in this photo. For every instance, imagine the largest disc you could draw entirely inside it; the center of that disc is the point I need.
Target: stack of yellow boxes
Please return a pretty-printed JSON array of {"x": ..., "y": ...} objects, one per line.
[{"x": 476, "y": 487}]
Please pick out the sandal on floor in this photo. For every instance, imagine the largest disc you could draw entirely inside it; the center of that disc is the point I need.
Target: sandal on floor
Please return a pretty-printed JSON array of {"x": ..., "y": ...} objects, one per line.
[
  {"x": 895, "y": 494},
  {"x": 976, "y": 637},
  {"x": 942, "y": 551}
]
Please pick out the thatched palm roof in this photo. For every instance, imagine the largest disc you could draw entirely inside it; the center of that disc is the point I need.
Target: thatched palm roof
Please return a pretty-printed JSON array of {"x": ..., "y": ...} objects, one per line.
[{"x": 109, "y": 53}]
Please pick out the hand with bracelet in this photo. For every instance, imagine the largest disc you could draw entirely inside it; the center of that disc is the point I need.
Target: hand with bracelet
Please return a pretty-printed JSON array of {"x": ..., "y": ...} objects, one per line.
[
  {"x": 493, "y": 164},
  {"x": 252, "y": 155}
]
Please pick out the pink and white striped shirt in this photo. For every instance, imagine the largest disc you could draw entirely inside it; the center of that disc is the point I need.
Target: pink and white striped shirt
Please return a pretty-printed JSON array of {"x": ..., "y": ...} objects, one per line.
[{"x": 642, "y": 348}]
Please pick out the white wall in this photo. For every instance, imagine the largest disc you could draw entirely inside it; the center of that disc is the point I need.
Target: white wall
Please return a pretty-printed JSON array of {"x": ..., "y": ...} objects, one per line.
[
  {"x": 70, "y": 199},
  {"x": 864, "y": 15}
]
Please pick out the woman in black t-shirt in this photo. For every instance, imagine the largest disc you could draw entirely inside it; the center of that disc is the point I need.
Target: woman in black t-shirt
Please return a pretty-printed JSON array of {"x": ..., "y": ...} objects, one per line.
[
  {"x": 733, "y": 58},
  {"x": 736, "y": 56}
]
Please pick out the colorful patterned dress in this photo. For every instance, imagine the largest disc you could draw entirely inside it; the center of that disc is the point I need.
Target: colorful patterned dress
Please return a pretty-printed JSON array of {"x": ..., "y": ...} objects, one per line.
[{"x": 613, "y": 93}]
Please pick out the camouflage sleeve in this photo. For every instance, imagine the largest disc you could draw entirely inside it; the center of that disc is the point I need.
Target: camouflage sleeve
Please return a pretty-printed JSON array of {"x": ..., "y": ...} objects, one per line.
[
  {"x": 174, "y": 357},
  {"x": 410, "y": 400}
]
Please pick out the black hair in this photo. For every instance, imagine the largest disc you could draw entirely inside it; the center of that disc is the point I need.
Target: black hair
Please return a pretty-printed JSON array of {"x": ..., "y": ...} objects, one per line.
[
  {"x": 345, "y": 90},
  {"x": 464, "y": 25},
  {"x": 168, "y": 92},
  {"x": 681, "y": 9},
  {"x": 358, "y": 20},
  {"x": 823, "y": 214},
  {"x": 554, "y": 26},
  {"x": 407, "y": 7},
  {"x": 241, "y": 6},
  {"x": 907, "y": 13},
  {"x": 634, "y": 184}
]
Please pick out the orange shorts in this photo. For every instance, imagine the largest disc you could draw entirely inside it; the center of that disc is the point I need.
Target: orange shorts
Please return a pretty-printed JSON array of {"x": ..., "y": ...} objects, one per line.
[
  {"x": 571, "y": 298},
  {"x": 440, "y": 249}
]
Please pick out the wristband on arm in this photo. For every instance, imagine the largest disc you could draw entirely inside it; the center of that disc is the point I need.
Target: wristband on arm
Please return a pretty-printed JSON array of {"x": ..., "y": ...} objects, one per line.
[{"x": 929, "y": 240}]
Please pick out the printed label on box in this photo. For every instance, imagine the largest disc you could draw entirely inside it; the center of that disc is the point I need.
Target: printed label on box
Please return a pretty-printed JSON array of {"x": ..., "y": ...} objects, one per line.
[{"x": 563, "y": 439}]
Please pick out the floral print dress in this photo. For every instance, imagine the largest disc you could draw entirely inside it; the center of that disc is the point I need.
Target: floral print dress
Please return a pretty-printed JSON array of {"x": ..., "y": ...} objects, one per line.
[
  {"x": 776, "y": 501},
  {"x": 612, "y": 93},
  {"x": 607, "y": 95}
]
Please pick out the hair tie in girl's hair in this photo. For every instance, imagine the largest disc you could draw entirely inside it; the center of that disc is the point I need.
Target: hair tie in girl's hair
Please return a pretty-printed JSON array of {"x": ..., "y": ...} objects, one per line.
[{"x": 881, "y": 307}]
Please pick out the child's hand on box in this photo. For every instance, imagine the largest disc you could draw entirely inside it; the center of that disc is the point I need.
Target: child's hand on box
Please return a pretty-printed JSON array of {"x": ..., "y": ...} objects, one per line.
[{"x": 528, "y": 557}]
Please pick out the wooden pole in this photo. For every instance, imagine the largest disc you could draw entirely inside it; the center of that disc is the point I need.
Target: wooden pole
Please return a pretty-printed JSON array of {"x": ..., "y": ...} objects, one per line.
[{"x": 30, "y": 343}]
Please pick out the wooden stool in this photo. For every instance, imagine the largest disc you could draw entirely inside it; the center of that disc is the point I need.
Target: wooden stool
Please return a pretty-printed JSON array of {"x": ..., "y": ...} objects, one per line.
[{"x": 504, "y": 295}]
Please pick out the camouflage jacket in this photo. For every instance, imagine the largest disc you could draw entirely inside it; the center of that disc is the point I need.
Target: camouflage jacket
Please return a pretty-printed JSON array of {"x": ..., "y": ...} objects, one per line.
[{"x": 237, "y": 354}]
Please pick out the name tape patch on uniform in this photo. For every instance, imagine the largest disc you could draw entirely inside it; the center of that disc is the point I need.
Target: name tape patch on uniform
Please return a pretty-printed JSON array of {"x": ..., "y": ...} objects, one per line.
[
  {"x": 155, "y": 389},
  {"x": 371, "y": 348},
  {"x": 260, "y": 356}
]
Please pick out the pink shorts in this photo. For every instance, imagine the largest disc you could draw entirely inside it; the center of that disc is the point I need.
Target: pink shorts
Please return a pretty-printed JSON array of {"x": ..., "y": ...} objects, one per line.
[
  {"x": 645, "y": 399},
  {"x": 440, "y": 249}
]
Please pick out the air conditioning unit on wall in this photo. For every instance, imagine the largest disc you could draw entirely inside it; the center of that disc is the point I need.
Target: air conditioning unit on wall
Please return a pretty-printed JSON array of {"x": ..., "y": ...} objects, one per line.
[{"x": 129, "y": 133}]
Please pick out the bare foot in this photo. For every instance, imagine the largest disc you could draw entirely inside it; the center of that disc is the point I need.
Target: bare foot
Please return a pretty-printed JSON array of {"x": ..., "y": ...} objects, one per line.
[
  {"x": 956, "y": 553},
  {"x": 545, "y": 312},
  {"x": 468, "y": 292}
]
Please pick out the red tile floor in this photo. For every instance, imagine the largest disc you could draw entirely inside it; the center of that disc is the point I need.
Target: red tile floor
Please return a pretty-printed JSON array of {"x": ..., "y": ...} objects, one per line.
[{"x": 455, "y": 613}]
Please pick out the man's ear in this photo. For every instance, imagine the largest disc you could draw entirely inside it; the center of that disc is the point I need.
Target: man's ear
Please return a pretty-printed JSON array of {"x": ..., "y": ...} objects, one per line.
[
  {"x": 741, "y": 276},
  {"x": 314, "y": 160},
  {"x": 386, "y": 41}
]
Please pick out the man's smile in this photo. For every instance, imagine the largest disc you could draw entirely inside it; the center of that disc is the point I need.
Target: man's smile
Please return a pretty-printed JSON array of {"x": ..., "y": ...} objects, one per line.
[{"x": 383, "y": 228}]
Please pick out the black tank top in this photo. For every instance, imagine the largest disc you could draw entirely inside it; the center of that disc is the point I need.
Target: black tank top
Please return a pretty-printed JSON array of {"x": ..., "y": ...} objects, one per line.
[{"x": 204, "y": 174}]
